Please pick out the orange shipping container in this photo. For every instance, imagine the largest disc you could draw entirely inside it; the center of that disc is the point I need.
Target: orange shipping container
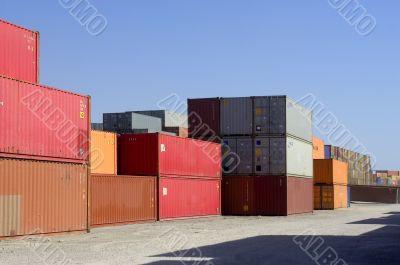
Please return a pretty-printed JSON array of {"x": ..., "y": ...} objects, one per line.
[
  {"x": 103, "y": 153},
  {"x": 122, "y": 199},
  {"x": 39, "y": 197},
  {"x": 330, "y": 197},
  {"x": 318, "y": 148},
  {"x": 330, "y": 171}
]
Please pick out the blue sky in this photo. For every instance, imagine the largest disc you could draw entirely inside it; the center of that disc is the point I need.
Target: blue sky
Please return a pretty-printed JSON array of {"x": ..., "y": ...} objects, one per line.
[{"x": 209, "y": 48}]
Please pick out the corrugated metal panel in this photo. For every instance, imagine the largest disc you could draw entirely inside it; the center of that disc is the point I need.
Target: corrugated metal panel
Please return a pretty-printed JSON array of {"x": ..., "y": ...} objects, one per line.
[
  {"x": 97, "y": 126},
  {"x": 238, "y": 195},
  {"x": 330, "y": 197},
  {"x": 318, "y": 148},
  {"x": 168, "y": 118},
  {"x": 300, "y": 195},
  {"x": 374, "y": 194},
  {"x": 262, "y": 115},
  {"x": 330, "y": 171},
  {"x": 159, "y": 154},
  {"x": 278, "y": 115},
  {"x": 299, "y": 158},
  {"x": 43, "y": 122},
  {"x": 123, "y": 199},
  {"x": 298, "y": 120},
  {"x": 261, "y": 156},
  {"x": 188, "y": 197},
  {"x": 270, "y": 195},
  {"x": 244, "y": 149},
  {"x": 236, "y": 116},
  {"x": 230, "y": 161},
  {"x": 42, "y": 197},
  {"x": 103, "y": 152},
  {"x": 340, "y": 196},
  {"x": 19, "y": 52},
  {"x": 204, "y": 117},
  {"x": 139, "y": 121}
]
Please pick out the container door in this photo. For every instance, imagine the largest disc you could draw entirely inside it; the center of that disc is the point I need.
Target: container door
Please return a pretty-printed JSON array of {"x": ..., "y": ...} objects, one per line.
[
  {"x": 317, "y": 198},
  {"x": 245, "y": 153},
  {"x": 261, "y": 115},
  {"x": 229, "y": 156},
  {"x": 236, "y": 116},
  {"x": 327, "y": 198},
  {"x": 278, "y": 115},
  {"x": 278, "y": 156},
  {"x": 261, "y": 156}
]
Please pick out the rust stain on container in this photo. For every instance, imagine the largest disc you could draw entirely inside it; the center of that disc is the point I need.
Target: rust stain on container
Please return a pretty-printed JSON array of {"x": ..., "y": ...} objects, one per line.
[
  {"x": 318, "y": 148},
  {"x": 330, "y": 171},
  {"x": 103, "y": 153},
  {"x": 122, "y": 199},
  {"x": 42, "y": 197}
]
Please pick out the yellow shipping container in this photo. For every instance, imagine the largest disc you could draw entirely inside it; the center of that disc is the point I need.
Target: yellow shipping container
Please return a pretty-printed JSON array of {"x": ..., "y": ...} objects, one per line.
[
  {"x": 330, "y": 171},
  {"x": 103, "y": 152}
]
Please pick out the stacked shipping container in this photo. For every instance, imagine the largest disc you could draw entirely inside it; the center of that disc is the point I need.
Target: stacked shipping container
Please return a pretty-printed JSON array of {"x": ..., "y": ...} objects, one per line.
[
  {"x": 330, "y": 184},
  {"x": 117, "y": 199},
  {"x": 44, "y": 145},
  {"x": 266, "y": 140},
  {"x": 360, "y": 172},
  {"x": 188, "y": 171}
]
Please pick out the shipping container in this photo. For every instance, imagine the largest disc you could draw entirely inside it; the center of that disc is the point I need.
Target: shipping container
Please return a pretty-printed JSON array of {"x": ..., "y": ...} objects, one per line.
[
  {"x": 39, "y": 197},
  {"x": 43, "y": 123},
  {"x": 204, "y": 118},
  {"x": 330, "y": 171},
  {"x": 178, "y": 131},
  {"x": 236, "y": 116},
  {"x": 330, "y": 197},
  {"x": 168, "y": 118},
  {"x": 269, "y": 196},
  {"x": 123, "y": 199},
  {"x": 281, "y": 115},
  {"x": 97, "y": 126},
  {"x": 103, "y": 152},
  {"x": 378, "y": 194},
  {"x": 129, "y": 121},
  {"x": 188, "y": 197},
  {"x": 269, "y": 156},
  {"x": 318, "y": 148},
  {"x": 159, "y": 154},
  {"x": 19, "y": 52}
]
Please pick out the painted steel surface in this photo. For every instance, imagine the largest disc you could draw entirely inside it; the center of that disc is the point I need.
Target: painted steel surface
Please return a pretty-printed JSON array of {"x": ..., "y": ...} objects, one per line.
[{"x": 103, "y": 152}]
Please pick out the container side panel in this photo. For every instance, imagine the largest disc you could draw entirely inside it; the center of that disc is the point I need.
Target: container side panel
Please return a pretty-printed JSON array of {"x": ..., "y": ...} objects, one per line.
[
  {"x": 42, "y": 197},
  {"x": 278, "y": 156},
  {"x": 203, "y": 117},
  {"x": 299, "y": 120},
  {"x": 230, "y": 159},
  {"x": 270, "y": 196},
  {"x": 188, "y": 197},
  {"x": 340, "y": 196},
  {"x": 236, "y": 116},
  {"x": 278, "y": 115},
  {"x": 122, "y": 199},
  {"x": 103, "y": 153},
  {"x": 245, "y": 153},
  {"x": 262, "y": 117},
  {"x": 318, "y": 148},
  {"x": 299, "y": 158},
  {"x": 300, "y": 195}
]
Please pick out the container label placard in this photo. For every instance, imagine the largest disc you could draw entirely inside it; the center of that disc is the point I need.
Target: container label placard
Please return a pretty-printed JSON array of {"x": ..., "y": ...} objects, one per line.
[
  {"x": 164, "y": 191},
  {"x": 163, "y": 149}
]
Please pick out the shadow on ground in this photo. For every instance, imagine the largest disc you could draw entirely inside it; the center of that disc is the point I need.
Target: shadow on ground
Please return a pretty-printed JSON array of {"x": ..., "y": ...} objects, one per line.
[{"x": 381, "y": 246}]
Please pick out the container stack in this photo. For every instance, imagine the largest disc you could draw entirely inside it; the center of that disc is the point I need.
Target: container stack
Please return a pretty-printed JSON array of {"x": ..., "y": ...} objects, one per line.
[
  {"x": 117, "y": 199},
  {"x": 44, "y": 145},
  {"x": 387, "y": 177},
  {"x": 360, "y": 172},
  {"x": 267, "y": 152},
  {"x": 330, "y": 184},
  {"x": 188, "y": 172}
]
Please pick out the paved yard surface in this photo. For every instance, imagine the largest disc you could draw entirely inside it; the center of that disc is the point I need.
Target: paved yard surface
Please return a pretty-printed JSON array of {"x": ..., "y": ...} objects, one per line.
[{"x": 364, "y": 234}]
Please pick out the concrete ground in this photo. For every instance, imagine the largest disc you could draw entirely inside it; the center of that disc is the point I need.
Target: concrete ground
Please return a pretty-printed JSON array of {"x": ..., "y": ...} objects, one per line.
[{"x": 364, "y": 234}]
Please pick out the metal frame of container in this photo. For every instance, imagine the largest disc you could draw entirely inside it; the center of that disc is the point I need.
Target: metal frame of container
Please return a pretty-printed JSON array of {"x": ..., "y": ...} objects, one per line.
[{"x": 19, "y": 77}]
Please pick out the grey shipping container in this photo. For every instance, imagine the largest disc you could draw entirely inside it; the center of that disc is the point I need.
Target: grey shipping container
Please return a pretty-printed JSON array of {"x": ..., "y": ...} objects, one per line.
[
  {"x": 243, "y": 147},
  {"x": 281, "y": 115},
  {"x": 236, "y": 116},
  {"x": 126, "y": 122},
  {"x": 270, "y": 156},
  {"x": 97, "y": 126},
  {"x": 168, "y": 118}
]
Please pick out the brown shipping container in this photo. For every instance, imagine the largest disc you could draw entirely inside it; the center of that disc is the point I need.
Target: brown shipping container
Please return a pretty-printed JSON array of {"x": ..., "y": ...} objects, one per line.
[
  {"x": 42, "y": 197},
  {"x": 318, "y": 148},
  {"x": 330, "y": 197},
  {"x": 103, "y": 152},
  {"x": 267, "y": 195},
  {"x": 375, "y": 194},
  {"x": 123, "y": 199},
  {"x": 330, "y": 171},
  {"x": 204, "y": 118}
]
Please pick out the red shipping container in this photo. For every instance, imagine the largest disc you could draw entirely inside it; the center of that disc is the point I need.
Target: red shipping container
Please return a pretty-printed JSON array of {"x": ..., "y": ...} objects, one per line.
[
  {"x": 266, "y": 195},
  {"x": 19, "y": 52},
  {"x": 43, "y": 123},
  {"x": 204, "y": 118},
  {"x": 158, "y": 154},
  {"x": 188, "y": 197}
]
